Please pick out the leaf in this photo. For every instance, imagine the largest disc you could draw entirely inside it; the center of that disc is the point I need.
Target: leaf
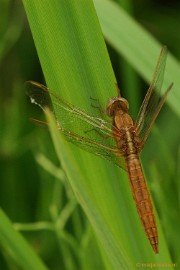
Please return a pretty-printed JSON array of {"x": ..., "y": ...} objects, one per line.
[
  {"x": 76, "y": 65},
  {"x": 137, "y": 46},
  {"x": 17, "y": 246}
]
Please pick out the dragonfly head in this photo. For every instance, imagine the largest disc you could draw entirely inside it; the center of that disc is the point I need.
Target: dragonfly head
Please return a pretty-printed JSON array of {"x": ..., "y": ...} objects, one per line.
[{"x": 116, "y": 103}]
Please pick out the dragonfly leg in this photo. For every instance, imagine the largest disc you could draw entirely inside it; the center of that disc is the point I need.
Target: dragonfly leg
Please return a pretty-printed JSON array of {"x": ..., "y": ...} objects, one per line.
[
  {"x": 118, "y": 90},
  {"x": 97, "y": 106},
  {"x": 97, "y": 131}
]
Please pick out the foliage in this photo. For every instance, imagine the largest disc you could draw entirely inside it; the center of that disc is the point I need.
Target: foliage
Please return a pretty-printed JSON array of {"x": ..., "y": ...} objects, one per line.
[{"x": 36, "y": 194}]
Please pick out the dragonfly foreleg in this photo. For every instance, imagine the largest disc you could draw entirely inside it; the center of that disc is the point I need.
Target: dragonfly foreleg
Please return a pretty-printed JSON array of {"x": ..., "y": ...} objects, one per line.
[
  {"x": 98, "y": 132},
  {"x": 97, "y": 106},
  {"x": 118, "y": 90}
]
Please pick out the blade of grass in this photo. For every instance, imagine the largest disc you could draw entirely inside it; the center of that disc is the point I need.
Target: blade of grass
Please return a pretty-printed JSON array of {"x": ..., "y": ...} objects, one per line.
[
  {"x": 16, "y": 245},
  {"x": 75, "y": 62},
  {"x": 137, "y": 46}
]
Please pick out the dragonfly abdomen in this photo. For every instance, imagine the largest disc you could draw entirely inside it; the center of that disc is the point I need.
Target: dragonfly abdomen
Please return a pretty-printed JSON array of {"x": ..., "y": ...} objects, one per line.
[{"x": 142, "y": 199}]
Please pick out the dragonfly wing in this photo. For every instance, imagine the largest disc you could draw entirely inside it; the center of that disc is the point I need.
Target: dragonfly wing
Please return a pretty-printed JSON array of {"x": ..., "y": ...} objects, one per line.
[
  {"x": 99, "y": 149},
  {"x": 152, "y": 103},
  {"x": 92, "y": 134},
  {"x": 38, "y": 94}
]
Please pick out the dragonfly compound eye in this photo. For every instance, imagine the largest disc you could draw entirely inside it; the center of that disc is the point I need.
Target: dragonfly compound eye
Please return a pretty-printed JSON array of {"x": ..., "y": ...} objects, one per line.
[{"x": 123, "y": 104}]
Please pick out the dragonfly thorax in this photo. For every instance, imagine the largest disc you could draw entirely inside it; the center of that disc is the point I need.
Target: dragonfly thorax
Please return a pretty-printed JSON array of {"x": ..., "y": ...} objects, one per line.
[
  {"x": 115, "y": 104},
  {"x": 122, "y": 120}
]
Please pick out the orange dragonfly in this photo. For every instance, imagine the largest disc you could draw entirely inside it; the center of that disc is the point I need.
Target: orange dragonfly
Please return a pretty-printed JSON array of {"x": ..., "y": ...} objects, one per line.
[{"x": 119, "y": 141}]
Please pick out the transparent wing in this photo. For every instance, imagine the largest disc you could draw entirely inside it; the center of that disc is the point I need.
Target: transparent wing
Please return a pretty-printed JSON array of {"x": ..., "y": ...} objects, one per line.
[
  {"x": 92, "y": 134},
  {"x": 152, "y": 103}
]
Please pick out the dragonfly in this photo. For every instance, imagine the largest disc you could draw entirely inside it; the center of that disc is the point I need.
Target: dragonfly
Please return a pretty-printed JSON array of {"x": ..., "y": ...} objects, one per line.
[{"x": 119, "y": 140}]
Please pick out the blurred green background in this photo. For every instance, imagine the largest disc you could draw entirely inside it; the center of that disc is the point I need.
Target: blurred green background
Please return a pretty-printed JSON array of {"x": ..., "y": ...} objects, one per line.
[{"x": 29, "y": 189}]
